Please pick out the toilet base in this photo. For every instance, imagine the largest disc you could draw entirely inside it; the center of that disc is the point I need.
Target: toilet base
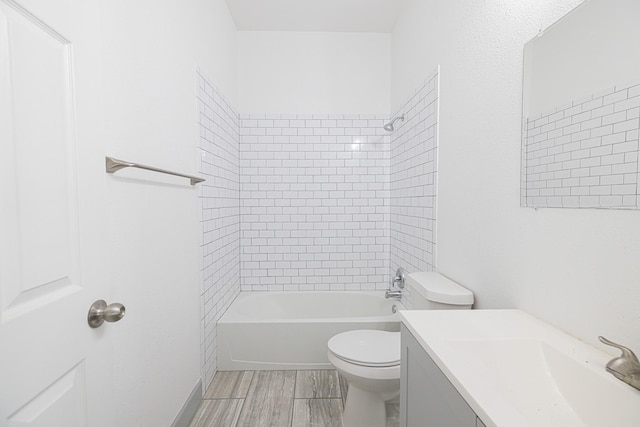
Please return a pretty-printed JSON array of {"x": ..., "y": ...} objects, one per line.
[
  {"x": 369, "y": 390},
  {"x": 364, "y": 408}
]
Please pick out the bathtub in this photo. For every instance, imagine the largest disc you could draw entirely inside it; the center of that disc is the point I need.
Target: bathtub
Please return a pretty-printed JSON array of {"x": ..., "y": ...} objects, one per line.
[{"x": 290, "y": 330}]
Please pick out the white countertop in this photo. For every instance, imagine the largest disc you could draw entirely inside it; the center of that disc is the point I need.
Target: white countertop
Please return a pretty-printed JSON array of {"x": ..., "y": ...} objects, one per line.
[{"x": 517, "y": 371}]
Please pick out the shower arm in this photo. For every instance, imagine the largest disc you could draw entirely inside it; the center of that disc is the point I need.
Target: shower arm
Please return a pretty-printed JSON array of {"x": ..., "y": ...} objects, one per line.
[{"x": 389, "y": 126}]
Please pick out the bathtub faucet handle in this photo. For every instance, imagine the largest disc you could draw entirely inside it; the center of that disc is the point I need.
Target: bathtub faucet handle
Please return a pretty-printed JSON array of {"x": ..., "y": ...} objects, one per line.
[
  {"x": 398, "y": 280},
  {"x": 397, "y": 284}
]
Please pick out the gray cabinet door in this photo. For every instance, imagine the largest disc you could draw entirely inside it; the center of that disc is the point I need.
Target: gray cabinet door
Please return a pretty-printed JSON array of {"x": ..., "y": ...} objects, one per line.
[{"x": 427, "y": 398}]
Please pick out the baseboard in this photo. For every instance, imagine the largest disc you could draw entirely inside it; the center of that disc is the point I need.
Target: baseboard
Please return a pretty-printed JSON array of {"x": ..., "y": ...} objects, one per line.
[{"x": 190, "y": 407}]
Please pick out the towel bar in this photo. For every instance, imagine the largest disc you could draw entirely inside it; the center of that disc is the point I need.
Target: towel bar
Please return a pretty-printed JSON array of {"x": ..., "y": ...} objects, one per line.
[{"x": 114, "y": 165}]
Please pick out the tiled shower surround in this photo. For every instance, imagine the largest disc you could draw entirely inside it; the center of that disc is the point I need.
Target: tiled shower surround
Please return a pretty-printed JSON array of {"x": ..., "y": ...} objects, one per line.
[
  {"x": 312, "y": 202},
  {"x": 585, "y": 154},
  {"x": 219, "y": 136},
  {"x": 414, "y": 170}
]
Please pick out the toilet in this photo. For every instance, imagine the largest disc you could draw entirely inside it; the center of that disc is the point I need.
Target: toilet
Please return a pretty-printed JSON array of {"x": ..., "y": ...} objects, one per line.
[{"x": 370, "y": 359}]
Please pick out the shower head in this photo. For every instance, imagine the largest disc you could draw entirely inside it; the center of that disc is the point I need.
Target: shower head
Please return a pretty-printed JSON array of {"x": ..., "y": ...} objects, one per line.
[{"x": 389, "y": 126}]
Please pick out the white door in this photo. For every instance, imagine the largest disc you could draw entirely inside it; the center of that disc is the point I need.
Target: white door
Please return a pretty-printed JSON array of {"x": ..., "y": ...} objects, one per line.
[{"x": 54, "y": 369}]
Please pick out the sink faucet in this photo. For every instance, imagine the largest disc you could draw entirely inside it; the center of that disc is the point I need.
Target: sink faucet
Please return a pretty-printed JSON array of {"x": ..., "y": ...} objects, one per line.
[{"x": 626, "y": 368}]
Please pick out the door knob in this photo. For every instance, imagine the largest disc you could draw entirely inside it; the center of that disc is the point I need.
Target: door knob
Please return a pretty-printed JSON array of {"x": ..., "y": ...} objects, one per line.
[{"x": 100, "y": 311}]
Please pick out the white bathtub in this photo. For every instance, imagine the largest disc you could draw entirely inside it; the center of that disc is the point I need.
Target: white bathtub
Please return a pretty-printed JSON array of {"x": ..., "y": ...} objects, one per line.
[{"x": 290, "y": 330}]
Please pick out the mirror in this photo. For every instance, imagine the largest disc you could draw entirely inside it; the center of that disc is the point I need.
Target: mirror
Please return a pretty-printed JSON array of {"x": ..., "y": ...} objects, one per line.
[{"x": 581, "y": 109}]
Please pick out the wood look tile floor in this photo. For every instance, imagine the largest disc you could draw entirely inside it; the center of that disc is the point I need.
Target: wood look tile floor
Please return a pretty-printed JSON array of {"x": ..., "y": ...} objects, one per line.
[{"x": 276, "y": 399}]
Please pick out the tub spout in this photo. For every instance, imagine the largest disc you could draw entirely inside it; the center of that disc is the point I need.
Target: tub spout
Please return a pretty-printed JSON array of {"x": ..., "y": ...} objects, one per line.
[{"x": 393, "y": 294}]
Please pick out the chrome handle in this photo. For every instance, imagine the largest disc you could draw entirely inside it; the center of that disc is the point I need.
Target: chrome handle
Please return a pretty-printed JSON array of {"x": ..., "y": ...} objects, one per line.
[
  {"x": 99, "y": 312},
  {"x": 399, "y": 278}
]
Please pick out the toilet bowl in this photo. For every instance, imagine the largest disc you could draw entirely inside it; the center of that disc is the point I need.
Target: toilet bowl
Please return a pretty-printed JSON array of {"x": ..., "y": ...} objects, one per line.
[
  {"x": 370, "y": 362},
  {"x": 370, "y": 359}
]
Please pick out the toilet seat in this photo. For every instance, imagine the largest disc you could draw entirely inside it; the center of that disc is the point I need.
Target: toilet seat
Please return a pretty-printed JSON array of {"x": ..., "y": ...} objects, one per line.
[{"x": 371, "y": 348}]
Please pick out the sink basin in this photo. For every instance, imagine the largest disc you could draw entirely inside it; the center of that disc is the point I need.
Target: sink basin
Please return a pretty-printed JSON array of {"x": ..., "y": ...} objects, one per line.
[
  {"x": 515, "y": 370},
  {"x": 549, "y": 387}
]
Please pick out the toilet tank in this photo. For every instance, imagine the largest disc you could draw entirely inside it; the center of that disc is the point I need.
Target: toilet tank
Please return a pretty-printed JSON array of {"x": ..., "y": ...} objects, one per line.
[{"x": 433, "y": 291}]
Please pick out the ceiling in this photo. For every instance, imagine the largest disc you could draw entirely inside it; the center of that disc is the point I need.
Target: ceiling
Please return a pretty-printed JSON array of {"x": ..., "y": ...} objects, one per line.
[{"x": 366, "y": 16}]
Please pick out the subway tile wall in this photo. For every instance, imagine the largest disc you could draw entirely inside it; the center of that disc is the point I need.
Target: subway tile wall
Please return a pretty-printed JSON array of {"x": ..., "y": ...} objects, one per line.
[
  {"x": 414, "y": 170},
  {"x": 219, "y": 137},
  {"x": 585, "y": 154},
  {"x": 304, "y": 202},
  {"x": 314, "y": 202}
]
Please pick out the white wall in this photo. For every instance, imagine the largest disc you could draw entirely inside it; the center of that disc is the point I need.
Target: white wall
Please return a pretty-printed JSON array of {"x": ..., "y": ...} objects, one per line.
[
  {"x": 151, "y": 50},
  {"x": 592, "y": 49},
  {"x": 313, "y": 73},
  {"x": 577, "y": 269}
]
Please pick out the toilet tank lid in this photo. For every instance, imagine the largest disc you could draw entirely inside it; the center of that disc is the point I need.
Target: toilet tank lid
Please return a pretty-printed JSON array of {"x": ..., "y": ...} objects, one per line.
[{"x": 438, "y": 288}]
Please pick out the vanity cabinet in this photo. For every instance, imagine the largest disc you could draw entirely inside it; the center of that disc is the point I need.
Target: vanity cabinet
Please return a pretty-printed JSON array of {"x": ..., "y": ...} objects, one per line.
[{"x": 427, "y": 398}]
